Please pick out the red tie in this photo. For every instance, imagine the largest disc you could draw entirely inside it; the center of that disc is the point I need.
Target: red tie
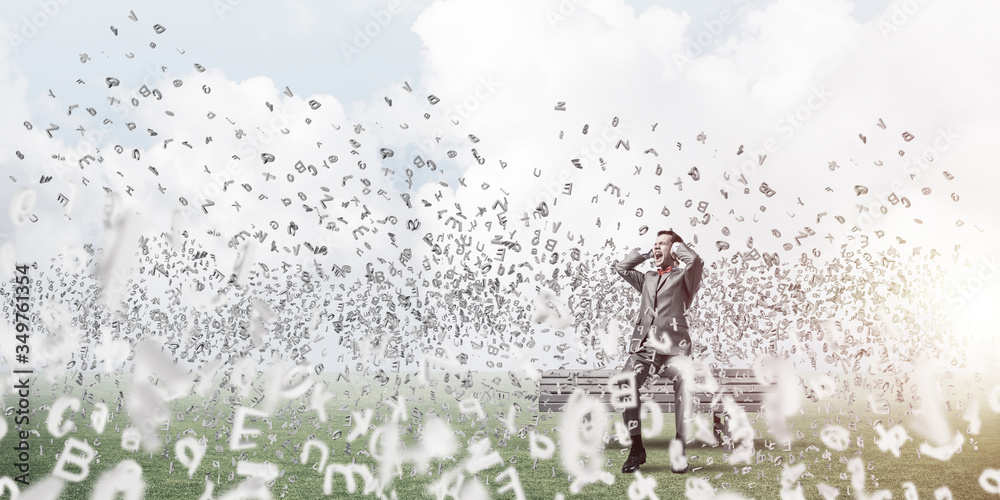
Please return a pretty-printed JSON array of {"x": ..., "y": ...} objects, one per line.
[{"x": 664, "y": 271}]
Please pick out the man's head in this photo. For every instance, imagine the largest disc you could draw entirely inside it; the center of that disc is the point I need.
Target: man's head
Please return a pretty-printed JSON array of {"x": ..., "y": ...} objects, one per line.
[{"x": 661, "y": 248}]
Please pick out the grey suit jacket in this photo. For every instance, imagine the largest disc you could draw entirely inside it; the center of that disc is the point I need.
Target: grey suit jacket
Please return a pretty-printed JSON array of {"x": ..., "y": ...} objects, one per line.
[{"x": 664, "y": 299}]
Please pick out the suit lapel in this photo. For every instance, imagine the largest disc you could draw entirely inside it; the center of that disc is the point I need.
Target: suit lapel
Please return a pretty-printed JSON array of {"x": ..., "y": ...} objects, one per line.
[
  {"x": 651, "y": 288},
  {"x": 662, "y": 279}
]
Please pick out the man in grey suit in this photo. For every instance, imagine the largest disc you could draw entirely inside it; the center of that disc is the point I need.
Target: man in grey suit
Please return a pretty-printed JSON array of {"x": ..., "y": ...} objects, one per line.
[{"x": 661, "y": 332}]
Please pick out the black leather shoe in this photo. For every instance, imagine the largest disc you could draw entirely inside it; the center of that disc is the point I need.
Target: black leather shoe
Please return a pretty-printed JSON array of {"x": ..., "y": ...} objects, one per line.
[{"x": 634, "y": 460}]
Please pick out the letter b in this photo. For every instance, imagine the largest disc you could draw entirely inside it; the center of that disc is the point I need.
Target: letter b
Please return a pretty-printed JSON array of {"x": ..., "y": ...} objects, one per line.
[
  {"x": 50, "y": 7},
  {"x": 620, "y": 387},
  {"x": 714, "y": 26},
  {"x": 381, "y": 16},
  {"x": 82, "y": 461}
]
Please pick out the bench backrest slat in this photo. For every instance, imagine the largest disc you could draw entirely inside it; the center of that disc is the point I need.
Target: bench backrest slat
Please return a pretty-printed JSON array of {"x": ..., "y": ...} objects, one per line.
[{"x": 556, "y": 386}]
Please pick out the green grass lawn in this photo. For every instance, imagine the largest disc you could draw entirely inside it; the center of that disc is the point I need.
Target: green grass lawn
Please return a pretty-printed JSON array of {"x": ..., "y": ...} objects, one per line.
[{"x": 280, "y": 444}]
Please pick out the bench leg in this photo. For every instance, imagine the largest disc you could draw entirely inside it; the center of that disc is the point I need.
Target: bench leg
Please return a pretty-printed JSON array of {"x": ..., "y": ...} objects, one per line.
[{"x": 718, "y": 427}]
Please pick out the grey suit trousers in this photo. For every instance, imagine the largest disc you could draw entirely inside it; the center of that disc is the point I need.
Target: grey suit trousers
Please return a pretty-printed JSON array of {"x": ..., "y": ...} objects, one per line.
[{"x": 645, "y": 363}]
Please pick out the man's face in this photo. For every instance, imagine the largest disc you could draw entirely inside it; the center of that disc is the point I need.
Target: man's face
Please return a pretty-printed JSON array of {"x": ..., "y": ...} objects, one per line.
[{"x": 661, "y": 250}]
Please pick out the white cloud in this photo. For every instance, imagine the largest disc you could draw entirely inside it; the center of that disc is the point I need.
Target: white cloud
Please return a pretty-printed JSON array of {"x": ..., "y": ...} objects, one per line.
[
  {"x": 804, "y": 75},
  {"x": 604, "y": 61}
]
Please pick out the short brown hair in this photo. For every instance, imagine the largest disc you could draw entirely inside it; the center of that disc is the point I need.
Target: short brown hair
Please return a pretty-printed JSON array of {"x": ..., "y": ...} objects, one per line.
[{"x": 673, "y": 236}]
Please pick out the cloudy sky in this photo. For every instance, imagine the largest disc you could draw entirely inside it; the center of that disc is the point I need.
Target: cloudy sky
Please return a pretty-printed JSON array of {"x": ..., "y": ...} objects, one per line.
[{"x": 825, "y": 108}]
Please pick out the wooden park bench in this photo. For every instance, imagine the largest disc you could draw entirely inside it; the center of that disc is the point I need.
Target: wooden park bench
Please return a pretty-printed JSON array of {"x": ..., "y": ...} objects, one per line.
[{"x": 557, "y": 385}]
